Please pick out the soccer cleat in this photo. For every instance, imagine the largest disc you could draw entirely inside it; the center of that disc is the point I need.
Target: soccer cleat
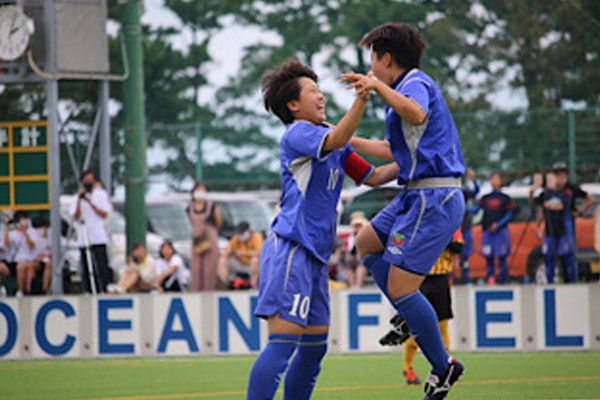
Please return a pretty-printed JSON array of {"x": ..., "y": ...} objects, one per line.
[
  {"x": 398, "y": 334},
  {"x": 411, "y": 377},
  {"x": 437, "y": 388}
]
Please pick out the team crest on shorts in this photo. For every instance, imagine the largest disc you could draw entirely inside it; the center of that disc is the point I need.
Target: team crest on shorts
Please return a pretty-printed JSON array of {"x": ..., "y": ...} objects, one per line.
[{"x": 398, "y": 239}]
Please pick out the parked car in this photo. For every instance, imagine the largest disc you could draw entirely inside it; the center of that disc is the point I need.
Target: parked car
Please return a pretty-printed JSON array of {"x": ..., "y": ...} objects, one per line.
[{"x": 167, "y": 217}]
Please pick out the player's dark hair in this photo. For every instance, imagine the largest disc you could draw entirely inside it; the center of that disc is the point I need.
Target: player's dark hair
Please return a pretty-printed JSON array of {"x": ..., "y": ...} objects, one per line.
[
  {"x": 493, "y": 173},
  {"x": 86, "y": 173},
  {"x": 40, "y": 222},
  {"x": 402, "y": 41},
  {"x": 281, "y": 86},
  {"x": 19, "y": 215},
  {"x": 166, "y": 243}
]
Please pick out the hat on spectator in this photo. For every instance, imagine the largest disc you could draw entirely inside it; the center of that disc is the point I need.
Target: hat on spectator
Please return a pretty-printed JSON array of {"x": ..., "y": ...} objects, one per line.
[
  {"x": 242, "y": 227},
  {"x": 358, "y": 218},
  {"x": 560, "y": 167}
]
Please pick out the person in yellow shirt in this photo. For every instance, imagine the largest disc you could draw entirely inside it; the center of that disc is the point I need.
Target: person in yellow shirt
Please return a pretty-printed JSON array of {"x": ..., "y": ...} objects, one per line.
[
  {"x": 436, "y": 288},
  {"x": 241, "y": 257}
]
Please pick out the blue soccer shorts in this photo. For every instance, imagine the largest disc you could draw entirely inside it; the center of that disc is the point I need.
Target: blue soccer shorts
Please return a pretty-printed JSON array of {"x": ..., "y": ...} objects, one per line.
[
  {"x": 293, "y": 284},
  {"x": 496, "y": 244},
  {"x": 559, "y": 246},
  {"x": 417, "y": 225}
]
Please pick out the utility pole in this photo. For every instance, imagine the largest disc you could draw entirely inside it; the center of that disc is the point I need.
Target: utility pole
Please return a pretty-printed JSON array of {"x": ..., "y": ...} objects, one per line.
[{"x": 134, "y": 119}]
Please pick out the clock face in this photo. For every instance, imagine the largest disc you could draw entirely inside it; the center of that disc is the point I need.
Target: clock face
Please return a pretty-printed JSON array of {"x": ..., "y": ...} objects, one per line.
[{"x": 15, "y": 29}]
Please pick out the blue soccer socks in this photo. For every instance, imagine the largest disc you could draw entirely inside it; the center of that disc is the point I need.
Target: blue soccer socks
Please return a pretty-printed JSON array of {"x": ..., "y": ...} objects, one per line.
[
  {"x": 422, "y": 320},
  {"x": 304, "y": 368},
  {"x": 270, "y": 365},
  {"x": 380, "y": 270}
]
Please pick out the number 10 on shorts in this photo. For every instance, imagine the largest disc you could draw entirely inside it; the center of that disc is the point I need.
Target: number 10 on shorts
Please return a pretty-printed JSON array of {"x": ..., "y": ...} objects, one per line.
[{"x": 301, "y": 304}]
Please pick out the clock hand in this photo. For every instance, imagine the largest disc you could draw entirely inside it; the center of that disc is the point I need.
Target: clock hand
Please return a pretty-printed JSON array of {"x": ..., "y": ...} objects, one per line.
[
  {"x": 12, "y": 23},
  {"x": 13, "y": 30}
]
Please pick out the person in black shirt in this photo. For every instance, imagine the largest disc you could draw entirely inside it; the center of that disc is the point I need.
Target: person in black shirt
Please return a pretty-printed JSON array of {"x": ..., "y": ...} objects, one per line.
[
  {"x": 558, "y": 211},
  {"x": 495, "y": 242}
]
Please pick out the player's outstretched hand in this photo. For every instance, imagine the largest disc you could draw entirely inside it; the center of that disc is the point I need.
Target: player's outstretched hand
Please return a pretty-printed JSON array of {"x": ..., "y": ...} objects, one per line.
[{"x": 363, "y": 84}]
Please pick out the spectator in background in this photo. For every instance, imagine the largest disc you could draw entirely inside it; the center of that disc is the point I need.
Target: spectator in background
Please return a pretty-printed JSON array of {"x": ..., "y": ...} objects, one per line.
[
  {"x": 470, "y": 191},
  {"x": 91, "y": 207},
  {"x": 8, "y": 266},
  {"x": 241, "y": 257},
  {"x": 205, "y": 219},
  {"x": 139, "y": 275},
  {"x": 558, "y": 201},
  {"x": 354, "y": 269},
  {"x": 21, "y": 242},
  {"x": 43, "y": 260},
  {"x": 495, "y": 242},
  {"x": 561, "y": 171},
  {"x": 171, "y": 274}
]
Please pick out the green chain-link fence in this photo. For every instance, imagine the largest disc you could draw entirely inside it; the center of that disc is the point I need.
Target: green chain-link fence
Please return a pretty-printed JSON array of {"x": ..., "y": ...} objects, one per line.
[{"x": 517, "y": 143}]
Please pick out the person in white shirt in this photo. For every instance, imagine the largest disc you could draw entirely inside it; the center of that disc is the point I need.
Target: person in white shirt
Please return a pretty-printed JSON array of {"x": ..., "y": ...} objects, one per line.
[
  {"x": 43, "y": 251},
  {"x": 171, "y": 273},
  {"x": 139, "y": 275},
  {"x": 92, "y": 206},
  {"x": 21, "y": 242}
]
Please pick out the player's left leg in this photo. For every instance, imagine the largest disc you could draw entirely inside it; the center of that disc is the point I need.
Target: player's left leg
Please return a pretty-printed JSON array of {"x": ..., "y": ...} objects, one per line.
[
  {"x": 490, "y": 270},
  {"x": 503, "y": 277},
  {"x": 548, "y": 249},
  {"x": 408, "y": 357},
  {"x": 304, "y": 369},
  {"x": 272, "y": 362}
]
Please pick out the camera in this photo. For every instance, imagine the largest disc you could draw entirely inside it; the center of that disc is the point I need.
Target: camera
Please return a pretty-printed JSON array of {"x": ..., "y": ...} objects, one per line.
[
  {"x": 135, "y": 259},
  {"x": 88, "y": 187}
]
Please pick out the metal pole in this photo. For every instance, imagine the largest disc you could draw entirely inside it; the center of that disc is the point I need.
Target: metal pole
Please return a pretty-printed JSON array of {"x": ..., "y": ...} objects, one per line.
[
  {"x": 572, "y": 157},
  {"x": 198, "y": 132},
  {"x": 134, "y": 120},
  {"x": 54, "y": 147},
  {"x": 104, "y": 144}
]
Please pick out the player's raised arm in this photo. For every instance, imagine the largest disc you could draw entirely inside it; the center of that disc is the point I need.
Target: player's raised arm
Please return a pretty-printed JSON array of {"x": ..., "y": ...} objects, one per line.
[
  {"x": 343, "y": 131},
  {"x": 382, "y": 174},
  {"x": 408, "y": 109},
  {"x": 374, "y": 148}
]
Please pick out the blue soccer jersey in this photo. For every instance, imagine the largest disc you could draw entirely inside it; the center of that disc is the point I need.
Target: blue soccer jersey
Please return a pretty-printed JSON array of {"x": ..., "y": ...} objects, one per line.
[
  {"x": 429, "y": 150},
  {"x": 311, "y": 182}
]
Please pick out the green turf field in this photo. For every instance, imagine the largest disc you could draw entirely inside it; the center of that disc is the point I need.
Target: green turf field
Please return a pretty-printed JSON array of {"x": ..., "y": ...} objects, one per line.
[{"x": 513, "y": 376}]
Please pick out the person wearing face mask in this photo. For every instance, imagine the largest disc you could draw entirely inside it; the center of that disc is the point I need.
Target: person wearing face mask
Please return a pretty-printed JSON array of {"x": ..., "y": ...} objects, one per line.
[
  {"x": 241, "y": 257},
  {"x": 21, "y": 243},
  {"x": 43, "y": 260},
  {"x": 205, "y": 219},
  {"x": 91, "y": 206}
]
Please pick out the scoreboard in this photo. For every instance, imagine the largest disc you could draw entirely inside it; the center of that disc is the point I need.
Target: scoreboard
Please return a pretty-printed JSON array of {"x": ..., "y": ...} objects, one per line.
[{"x": 24, "y": 166}]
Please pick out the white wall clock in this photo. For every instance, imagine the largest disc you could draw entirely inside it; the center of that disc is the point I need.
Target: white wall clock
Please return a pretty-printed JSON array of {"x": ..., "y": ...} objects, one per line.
[{"x": 15, "y": 31}]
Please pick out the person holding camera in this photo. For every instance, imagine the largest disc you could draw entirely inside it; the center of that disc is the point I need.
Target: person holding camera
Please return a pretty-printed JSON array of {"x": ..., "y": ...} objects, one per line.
[
  {"x": 139, "y": 275},
  {"x": 91, "y": 208},
  {"x": 20, "y": 242}
]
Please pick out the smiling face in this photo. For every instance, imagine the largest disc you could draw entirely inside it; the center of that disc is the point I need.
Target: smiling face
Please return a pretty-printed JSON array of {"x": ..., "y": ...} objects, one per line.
[{"x": 310, "y": 105}]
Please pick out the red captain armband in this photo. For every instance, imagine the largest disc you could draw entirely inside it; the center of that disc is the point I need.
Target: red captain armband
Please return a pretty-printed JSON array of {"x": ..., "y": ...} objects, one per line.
[{"x": 357, "y": 167}]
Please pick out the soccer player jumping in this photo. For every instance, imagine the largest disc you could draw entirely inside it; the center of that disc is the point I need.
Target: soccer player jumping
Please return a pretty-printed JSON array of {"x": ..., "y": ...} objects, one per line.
[
  {"x": 404, "y": 240},
  {"x": 293, "y": 288}
]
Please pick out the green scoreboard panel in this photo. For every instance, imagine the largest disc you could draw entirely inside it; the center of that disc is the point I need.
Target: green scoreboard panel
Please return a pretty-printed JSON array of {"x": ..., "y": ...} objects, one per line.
[{"x": 24, "y": 172}]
